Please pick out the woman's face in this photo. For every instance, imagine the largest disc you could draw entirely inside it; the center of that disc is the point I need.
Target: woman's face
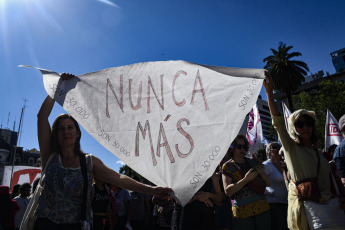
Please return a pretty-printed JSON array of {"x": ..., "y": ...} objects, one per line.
[
  {"x": 274, "y": 152},
  {"x": 304, "y": 126},
  {"x": 67, "y": 133},
  {"x": 240, "y": 151}
]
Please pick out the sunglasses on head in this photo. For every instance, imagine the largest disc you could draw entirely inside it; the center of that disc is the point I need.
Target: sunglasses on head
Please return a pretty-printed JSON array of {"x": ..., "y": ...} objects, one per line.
[
  {"x": 240, "y": 146},
  {"x": 308, "y": 122}
]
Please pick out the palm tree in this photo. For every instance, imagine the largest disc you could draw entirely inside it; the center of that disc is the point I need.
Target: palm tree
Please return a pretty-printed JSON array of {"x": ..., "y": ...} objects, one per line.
[
  {"x": 287, "y": 74},
  {"x": 125, "y": 169}
]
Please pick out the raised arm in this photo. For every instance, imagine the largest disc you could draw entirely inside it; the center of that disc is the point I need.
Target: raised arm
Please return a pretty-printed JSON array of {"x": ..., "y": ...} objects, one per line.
[
  {"x": 108, "y": 175},
  {"x": 43, "y": 128},
  {"x": 268, "y": 84}
]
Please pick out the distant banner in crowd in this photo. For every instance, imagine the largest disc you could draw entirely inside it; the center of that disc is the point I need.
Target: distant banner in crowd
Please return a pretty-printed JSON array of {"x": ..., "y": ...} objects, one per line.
[
  {"x": 170, "y": 121},
  {"x": 332, "y": 131},
  {"x": 287, "y": 114},
  {"x": 254, "y": 129},
  {"x": 21, "y": 174}
]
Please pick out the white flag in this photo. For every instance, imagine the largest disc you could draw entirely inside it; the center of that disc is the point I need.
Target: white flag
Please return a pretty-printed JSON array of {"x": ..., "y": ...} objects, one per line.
[
  {"x": 170, "y": 121},
  {"x": 287, "y": 114},
  {"x": 332, "y": 131},
  {"x": 254, "y": 129}
]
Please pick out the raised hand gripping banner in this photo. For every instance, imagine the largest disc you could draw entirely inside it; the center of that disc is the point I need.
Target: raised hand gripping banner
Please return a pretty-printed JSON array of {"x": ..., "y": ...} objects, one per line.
[{"x": 171, "y": 121}]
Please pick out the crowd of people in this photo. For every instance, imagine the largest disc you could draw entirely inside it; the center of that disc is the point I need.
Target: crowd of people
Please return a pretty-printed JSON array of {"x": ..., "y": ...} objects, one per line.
[{"x": 243, "y": 193}]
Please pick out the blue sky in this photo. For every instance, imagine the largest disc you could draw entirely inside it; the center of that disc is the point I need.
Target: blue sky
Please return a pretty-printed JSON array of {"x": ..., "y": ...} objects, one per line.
[{"x": 80, "y": 36}]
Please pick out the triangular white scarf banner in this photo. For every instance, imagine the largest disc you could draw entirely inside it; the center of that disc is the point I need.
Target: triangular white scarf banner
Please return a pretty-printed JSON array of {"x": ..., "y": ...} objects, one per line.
[
  {"x": 170, "y": 121},
  {"x": 332, "y": 131}
]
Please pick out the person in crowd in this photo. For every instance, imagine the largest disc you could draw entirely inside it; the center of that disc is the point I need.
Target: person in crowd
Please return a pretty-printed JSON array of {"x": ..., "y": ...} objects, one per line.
[
  {"x": 244, "y": 180},
  {"x": 223, "y": 211},
  {"x": 276, "y": 193},
  {"x": 339, "y": 153},
  {"x": 123, "y": 200},
  {"x": 114, "y": 211},
  {"x": 330, "y": 153},
  {"x": 140, "y": 209},
  {"x": 8, "y": 209},
  {"x": 63, "y": 179},
  {"x": 301, "y": 155},
  {"x": 162, "y": 212},
  {"x": 101, "y": 206},
  {"x": 286, "y": 173},
  {"x": 23, "y": 202},
  {"x": 199, "y": 212},
  {"x": 15, "y": 191}
]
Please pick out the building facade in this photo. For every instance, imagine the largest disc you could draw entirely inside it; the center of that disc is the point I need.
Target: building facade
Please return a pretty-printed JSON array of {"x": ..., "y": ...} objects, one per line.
[
  {"x": 10, "y": 154},
  {"x": 338, "y": 59}
]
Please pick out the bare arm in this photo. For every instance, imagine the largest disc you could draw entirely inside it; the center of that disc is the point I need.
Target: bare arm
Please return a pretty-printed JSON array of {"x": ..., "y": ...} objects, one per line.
[
  {"x": 217, "y": 195},
  {"x": 108, "y": 175},
  {"x": 231, "y": 188},
  {"x": 208, "y": 197},
  {"x": 261, "y": 171},
  {"x": 43, "y": 128},
  {"x": 269, "y": 92}
]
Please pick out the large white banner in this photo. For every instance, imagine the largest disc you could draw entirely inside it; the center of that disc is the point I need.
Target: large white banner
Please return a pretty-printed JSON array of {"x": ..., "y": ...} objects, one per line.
[
  {"x": 21, "y": 174},
  {"x": 332, "y": 131},
  {"x": 170, "y": 121}
]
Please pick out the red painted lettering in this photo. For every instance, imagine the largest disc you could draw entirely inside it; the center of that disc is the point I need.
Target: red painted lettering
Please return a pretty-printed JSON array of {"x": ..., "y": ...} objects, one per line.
[
  {"x": 120, "y": 103},
  {"x": 161, "y": 104},
  {"x": 143, "y": 133},
  {"x": 180, "y": 104},
  {"x": 198, "y": 79},
  {"x": 189, "y": 138},
  {"x": 138, "y": 106},
  {"x": 165, "y": 144}
]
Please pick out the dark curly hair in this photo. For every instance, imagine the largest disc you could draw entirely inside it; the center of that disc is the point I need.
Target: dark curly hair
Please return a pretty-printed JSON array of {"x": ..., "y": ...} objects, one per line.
[
  {"x": 233, "y": 145},
  {"x": 55, "y": 147}
]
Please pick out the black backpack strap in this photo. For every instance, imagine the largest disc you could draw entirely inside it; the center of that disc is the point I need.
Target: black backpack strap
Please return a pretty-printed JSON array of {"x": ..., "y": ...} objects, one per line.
[{"x": 85, "y": 185}]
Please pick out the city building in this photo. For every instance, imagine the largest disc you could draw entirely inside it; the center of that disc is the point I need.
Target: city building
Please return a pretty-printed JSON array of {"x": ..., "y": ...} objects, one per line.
[
  {"x": 338, "y": 59},
  {"x": 12, "y": 154},
  {"x": 310, "y": 86}
]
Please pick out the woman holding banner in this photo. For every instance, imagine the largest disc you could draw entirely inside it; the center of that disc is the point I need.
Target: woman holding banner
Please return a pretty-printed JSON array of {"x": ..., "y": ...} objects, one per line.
[
  {"x": 60, "y": 203},
  {"x": 308, "y": 169},
  {"x": 245, "y": 180}
]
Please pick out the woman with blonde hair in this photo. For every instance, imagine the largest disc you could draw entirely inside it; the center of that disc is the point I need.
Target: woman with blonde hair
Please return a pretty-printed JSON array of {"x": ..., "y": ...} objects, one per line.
[{"x": 303, "y": 159}]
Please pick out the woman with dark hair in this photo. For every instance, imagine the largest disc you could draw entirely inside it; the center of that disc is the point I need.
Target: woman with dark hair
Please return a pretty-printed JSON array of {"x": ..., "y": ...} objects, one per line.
[
  {"x": 301, "y": 155},
  {"x": 244, "y": 179},
  {"x": 59, "y": 206},
  {"x": 276, "y": 193}
]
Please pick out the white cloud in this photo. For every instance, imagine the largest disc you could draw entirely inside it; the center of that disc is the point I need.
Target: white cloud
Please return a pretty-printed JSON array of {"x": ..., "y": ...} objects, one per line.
[
  {"x": 110, "y": 3},
  {"x": 120, "y": 162}
]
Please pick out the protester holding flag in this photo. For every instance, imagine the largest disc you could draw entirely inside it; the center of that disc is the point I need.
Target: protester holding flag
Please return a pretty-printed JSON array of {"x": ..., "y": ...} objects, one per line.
[
  {"x": 61, "y": 198},
  {"x": 245, "y": 180},
  {"x": 302, "y": 157},
  {"x": 339, "y": 153},
  {"x": 199, "y": 213}
]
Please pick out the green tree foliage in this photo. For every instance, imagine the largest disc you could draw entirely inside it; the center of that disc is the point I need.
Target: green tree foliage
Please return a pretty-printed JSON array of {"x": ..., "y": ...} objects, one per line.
[
  {"x": 330, "y": 95},
  {"x": 128, "y": 171},
  {"x": 286, "y": 74}
]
